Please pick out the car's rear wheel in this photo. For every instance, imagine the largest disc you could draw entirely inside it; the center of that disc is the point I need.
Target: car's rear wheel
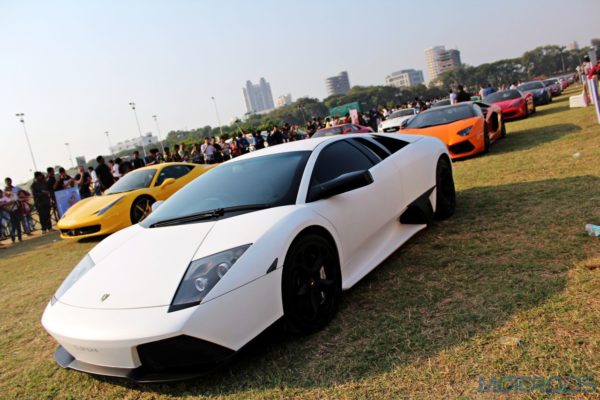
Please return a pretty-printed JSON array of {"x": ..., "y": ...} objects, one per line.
[
  {"x": 141, "y": 208},
  {"x": 311, "y": 284},
  {"x": 445, "y": 191}
]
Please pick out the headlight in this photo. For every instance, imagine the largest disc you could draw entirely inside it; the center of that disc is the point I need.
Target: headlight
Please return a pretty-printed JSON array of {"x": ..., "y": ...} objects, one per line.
[
  {"x": 465, "y": 132},
  {"x": 106, "y": 208},
  {"x": 541, "y": 91},
  {"x": 84, "y": 266},
  {"x": 516, "y": 103},
  {"x": 202, "y": 275}
]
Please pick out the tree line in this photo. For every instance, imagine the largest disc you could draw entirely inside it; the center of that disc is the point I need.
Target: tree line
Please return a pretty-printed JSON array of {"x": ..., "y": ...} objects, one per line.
[{"x": 543, "y": 61}]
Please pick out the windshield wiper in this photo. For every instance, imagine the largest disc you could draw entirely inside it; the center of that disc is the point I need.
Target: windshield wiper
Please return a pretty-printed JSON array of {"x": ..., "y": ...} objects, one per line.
[{"x": 210, "y": 214}]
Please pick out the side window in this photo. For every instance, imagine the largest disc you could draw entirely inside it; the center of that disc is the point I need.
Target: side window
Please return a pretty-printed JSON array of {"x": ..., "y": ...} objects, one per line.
[
  {"x": 372, "y": 146},
  {"x": 337, "y": 159},
  {"x": 393, "y": 145},
  {"x": 173, "y": 171}
]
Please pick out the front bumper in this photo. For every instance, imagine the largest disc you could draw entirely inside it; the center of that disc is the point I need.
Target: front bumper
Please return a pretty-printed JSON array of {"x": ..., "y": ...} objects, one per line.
[
  {"x": 163, "y": 361},
  {"x": 92, "y": 227},
  {"x": 152, "y": 344},
  {"x": 509, "y": 113}
]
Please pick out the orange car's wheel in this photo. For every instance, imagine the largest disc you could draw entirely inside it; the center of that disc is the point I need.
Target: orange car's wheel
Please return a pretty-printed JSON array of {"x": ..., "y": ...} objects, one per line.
[
  {"x": 486, "y": 139},
  {"x": 503, "y": 130},
  {"x": 141, "y": 208},
  {"x": 445, "y": 193}
]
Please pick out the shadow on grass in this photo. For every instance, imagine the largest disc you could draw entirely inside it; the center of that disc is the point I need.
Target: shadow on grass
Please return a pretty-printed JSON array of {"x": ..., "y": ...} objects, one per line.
[
  {"x": 548, "y": 110},
  {"x": 529, "y": 138},
  {"x": 38, "y": 241},
  {"x": 462, "y": 277}
]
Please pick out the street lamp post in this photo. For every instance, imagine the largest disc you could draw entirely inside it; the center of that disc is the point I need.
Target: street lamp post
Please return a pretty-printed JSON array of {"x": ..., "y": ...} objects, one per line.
[
  {"x": 159, "y": 136},
  {"x": 110, "y": 148},
  {"x": 21, "y": 117},
  {"x": 70, "y": 156},
  {"x": 137, "y": 121},
  {"x": 217, "y": 112}
]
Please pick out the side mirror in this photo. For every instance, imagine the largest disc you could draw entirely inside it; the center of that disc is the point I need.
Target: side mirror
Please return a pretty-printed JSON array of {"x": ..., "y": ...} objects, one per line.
[
  {"x": 347, "y": 130},
  {"x": 403, "y": 124},
  {"x": 341, "y": 184},
  {"x": 157, "y": 204},
  {"x": 167, "y": 182}
]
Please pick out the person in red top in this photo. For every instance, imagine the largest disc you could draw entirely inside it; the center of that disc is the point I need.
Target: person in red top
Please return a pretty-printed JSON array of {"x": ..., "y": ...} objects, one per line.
[{"x": 595, "y": 70}]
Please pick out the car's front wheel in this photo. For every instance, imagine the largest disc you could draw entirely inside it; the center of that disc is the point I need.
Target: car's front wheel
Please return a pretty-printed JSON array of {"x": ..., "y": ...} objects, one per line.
[
  {"x": 445, "y": 201},
  {"x": 311, "y": 284},
  {"x": 140, "y": 209}
]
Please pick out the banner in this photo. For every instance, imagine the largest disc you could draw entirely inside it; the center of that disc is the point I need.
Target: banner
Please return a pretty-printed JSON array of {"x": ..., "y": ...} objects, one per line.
[
  {"x": 66, "y": 198},
  {"x": 354, "y": 117},
  {"x": 344, "y": 109}
]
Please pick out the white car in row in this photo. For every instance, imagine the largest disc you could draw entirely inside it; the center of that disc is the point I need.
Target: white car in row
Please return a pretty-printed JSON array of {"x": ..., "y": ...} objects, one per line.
[{"x": 393, "y": 121}]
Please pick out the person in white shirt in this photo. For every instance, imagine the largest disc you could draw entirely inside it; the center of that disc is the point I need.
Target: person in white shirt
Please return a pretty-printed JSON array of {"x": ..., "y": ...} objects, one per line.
[
  {"x": 115, "y": 171},
  {"x": 452, "y": 97},
  {"x": 207, "y": 150}
]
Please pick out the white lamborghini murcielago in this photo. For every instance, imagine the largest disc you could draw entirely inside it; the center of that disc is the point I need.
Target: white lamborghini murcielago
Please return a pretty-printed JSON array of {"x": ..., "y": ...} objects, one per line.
[{"x": 274, "y": 235}]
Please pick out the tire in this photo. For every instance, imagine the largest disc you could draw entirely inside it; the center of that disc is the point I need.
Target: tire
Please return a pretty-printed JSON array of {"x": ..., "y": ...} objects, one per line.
[
  {"x": 311, "y": 284},
  {"x": 140, "y": 209},
  {"x": 445, "y": 193},
  {"x": 526, "y": 111},
  {"x": 503, "y": 130},
  {"x": 486, "y": 140}
]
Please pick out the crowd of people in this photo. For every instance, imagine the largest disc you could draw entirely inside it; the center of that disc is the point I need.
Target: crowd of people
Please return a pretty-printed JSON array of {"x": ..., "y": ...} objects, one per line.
[{"x": 18, "y": 204}]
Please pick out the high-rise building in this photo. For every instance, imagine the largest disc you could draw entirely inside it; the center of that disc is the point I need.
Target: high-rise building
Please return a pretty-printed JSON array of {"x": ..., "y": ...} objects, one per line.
[
  {"x": 283, "y": 100},
  {"x": 440, "y": 60},
  {"x": 258, "y": 97},
  {"x": 405, "y": 78},
  {"x": 573, "y": 46},
  {"x": 339, "y": 84}
]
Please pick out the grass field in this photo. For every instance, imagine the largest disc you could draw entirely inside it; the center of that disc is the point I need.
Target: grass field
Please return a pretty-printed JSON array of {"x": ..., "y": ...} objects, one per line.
[{"x": 514, "y": 262}]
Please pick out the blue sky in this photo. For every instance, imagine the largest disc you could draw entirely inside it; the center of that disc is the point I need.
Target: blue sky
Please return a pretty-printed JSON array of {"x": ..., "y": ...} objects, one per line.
[{"x": 73, "y": 66}]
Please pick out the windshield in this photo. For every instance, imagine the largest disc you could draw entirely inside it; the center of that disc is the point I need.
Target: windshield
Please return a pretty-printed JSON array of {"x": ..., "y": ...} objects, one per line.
[
  {"x": 502, "y": 96},
  {"x": 134, "y": 180},
  {"x": 402, "y": 113},
  {"x": 272, "y": 180},
  {"x": 336, "y": 130},
  {"x": 441, "y": 116},
  {"x": 531, "y": 86}
]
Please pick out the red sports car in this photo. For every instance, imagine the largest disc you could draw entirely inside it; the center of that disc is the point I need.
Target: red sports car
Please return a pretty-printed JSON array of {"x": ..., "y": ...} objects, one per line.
[
  {"x": 513, "y": 102},
  {"x": 342, "y": 129}
]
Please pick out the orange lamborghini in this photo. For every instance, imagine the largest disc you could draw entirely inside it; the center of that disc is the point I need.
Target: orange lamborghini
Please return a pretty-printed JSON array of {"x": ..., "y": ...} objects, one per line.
[{"x": 466, "y": 128}]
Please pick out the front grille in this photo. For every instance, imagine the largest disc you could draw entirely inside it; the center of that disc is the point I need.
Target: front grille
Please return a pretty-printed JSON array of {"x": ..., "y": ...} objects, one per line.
[
  {"x": 182, "y": 352},
  {"x": 85, "y": 230},
  {"x": 392, "y": 129},
  {"x": 463, "y": 147}
]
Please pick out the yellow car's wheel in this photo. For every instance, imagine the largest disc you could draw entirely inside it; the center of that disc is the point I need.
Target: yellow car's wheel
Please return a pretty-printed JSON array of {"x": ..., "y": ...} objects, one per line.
[{"x": 141, "y": 208}]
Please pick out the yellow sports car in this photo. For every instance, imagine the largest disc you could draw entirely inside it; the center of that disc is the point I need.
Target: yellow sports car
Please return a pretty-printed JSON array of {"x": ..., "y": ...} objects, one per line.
[{"x": 128, "y": 201}]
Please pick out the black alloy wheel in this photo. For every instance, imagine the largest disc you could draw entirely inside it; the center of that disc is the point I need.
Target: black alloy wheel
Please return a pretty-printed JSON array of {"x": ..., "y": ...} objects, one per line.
[
  {"x": 445, "y": 190},
  {"x": 140, "y": 209},
  {"x": 311, "y": 284}
]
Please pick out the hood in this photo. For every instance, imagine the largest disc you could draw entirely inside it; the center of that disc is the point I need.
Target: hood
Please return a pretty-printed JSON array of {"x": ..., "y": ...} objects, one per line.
[
  {"x": 446, "y": 133},
  {"x": 394, "y": 122},
  {"x": 88, "y": 207},
  {"x": 138, "y": 267},
  {"x": 506, "y": 103}
]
